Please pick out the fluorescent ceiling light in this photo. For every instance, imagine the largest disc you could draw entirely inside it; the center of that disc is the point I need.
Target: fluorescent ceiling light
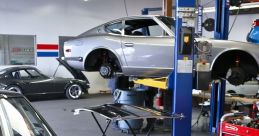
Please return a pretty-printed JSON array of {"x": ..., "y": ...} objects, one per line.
[
  {"x": 243, "y": 6},
  {"x": 85, "y": 0}
]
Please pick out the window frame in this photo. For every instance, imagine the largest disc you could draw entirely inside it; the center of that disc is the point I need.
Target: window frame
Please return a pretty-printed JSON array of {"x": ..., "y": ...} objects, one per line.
[
  {"x": 5, "y": 126},
  {"x": 111, "y": 23},
  {"x": 139, "y": 18}
]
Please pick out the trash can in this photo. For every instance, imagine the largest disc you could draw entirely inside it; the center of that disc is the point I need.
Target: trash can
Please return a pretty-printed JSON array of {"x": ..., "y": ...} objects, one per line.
[{"x": 130, "y": 97}]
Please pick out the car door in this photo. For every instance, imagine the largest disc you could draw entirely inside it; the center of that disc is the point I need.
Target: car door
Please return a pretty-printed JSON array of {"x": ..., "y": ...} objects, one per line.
[
  {"x": 39, "y": 80},
  {"x": 31, "y": 84},
  {"x": 147, "y": 48}
]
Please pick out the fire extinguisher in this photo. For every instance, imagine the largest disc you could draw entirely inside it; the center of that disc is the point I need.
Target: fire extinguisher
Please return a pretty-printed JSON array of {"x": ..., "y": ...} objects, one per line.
[{"x": 159, "y": 99}]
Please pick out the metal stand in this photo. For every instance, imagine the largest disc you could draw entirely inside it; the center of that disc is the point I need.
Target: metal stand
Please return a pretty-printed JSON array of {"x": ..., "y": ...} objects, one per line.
[
  {"x": 217, "y": 101},
  {"x": 123, "y": 112},
  {"x": 97, "y": 122},
  {"x": 108, "y": 124}
]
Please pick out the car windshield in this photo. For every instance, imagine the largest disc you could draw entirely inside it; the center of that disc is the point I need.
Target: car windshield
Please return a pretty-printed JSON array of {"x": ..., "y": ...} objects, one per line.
[
  {"x": 22, "y": 119},
  {"x": 168, "y": 21}
]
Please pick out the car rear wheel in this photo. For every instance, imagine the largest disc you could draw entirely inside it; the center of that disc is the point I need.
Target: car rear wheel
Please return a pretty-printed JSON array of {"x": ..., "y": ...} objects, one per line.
[
  {"x": 237, "y": 76},
  {"x": 106, "y": 70},
  {"x": 14, "y": 88},
  {"x": 74, "y": 91}
]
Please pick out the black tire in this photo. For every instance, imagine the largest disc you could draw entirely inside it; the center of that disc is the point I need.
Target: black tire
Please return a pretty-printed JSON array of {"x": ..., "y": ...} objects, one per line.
[
  {"x": 106, "y": 70},
  {"x": 74, "y": 91},
  {"x": 14, "y": 88},
  {"x": 237, "y": 76}
]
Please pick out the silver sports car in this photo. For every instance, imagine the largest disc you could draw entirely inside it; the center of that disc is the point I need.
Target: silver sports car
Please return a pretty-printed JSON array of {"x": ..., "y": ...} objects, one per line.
[{"x": 143, "y": 46}]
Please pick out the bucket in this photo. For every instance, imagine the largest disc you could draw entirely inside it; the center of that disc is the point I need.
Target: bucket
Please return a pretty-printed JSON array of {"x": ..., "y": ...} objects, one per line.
[{"x": 130, "y": 97}]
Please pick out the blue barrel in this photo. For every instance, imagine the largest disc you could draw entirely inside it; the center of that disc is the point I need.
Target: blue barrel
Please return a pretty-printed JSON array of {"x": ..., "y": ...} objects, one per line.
[{"x": 130, "y": 97}]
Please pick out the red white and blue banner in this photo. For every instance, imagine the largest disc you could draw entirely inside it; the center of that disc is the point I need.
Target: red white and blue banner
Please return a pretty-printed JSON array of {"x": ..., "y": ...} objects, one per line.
[{"x": 47, "y": 50}]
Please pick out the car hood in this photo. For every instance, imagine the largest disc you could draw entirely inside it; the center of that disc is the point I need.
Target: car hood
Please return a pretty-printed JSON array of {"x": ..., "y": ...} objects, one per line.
[{"x": 76, "y": 73}]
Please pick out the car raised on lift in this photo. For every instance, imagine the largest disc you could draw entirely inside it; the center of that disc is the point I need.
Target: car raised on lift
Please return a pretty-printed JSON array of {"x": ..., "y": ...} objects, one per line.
[{"x": 143, "y": 46}]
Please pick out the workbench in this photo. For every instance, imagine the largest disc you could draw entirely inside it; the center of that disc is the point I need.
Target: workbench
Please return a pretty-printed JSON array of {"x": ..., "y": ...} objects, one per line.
[{"x": 206, "y": 95}]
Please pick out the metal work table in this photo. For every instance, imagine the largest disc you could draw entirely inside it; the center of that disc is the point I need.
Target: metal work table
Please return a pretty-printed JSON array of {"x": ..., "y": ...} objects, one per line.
[
  {"x": 122, "y": 112},
  {"x": 228, "y": 98}
]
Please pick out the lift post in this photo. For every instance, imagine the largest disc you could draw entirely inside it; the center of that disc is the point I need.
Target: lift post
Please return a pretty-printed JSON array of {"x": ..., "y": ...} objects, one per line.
[
  {"x": 183, "y": 67},
  {"x": 221, "y": 31},
  {"x": 217, "y": 100},
  {"x": 221, "y": 19}
]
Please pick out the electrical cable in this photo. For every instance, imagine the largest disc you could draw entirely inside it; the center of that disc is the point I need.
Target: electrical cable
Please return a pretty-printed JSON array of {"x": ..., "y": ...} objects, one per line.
[
  {"x": 125, "y": 6},
  {"x": 201, "y": 113},
  {"x": 234, "y": 20}
]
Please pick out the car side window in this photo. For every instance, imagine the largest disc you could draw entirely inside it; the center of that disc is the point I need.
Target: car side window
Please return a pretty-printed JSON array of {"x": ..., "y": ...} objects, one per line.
[
  {"x": 20, "y": 74},
  {"x": 24, "y": 74},
  {"x": 143, "y": 27},
  {"x": 16, "y": 74},
  {"x": 115, "y": 28},
  {"x": 33, "y": 73},
  {"x": 155, "y": 30}
]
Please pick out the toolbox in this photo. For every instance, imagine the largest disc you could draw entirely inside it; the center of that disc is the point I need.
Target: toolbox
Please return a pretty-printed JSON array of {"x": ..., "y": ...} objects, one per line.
[{"x": 229, "y": 129}]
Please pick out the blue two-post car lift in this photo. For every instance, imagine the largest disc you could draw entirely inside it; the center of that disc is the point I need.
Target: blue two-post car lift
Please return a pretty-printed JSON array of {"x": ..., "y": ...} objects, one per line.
[
  {"x": 183, "y": 67},
  {"x": 181, "y": 79}
]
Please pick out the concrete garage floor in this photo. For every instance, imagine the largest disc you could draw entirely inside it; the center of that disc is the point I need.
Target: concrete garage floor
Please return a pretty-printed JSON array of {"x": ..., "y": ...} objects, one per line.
[{"x": 58, "y": 114}]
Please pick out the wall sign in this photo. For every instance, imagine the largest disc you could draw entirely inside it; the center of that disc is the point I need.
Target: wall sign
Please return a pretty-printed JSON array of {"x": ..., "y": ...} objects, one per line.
[{"x": 47, "y": 50}]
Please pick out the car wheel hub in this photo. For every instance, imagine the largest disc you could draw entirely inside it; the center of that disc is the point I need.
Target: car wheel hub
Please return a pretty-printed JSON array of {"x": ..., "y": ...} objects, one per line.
[
  {"x": 75, "y": 91},
  {"x": 104, "y": 71},
  {"x": 237, "y": 76}
]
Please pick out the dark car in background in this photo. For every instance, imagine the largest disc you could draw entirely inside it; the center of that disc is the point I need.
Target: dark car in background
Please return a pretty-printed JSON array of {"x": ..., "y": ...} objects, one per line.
[
  {"x": 29, "y": 81},
  {"x": 19, "y": 118}
]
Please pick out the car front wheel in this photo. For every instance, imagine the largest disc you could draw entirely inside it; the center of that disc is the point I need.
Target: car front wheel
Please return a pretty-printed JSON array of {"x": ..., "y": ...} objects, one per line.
[
  {"x": 14, "y": 88},
  {"x": 74, "y": 91},
  {"x": 106, "y": 70}
]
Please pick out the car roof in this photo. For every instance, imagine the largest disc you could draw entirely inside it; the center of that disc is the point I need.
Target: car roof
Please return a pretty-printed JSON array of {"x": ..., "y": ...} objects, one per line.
[
  {"x": 6, "y": 94},
  {"x": 5, "y": 67},
  {"x": 139, "y": 16},
  {"x": 135, "y": 17}
]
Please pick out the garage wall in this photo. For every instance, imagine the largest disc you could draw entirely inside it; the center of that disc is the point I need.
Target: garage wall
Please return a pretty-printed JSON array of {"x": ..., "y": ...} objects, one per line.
[{"x": 48, "y": 19}]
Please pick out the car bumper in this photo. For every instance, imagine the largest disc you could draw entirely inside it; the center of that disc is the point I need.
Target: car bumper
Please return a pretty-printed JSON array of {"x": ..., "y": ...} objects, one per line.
[
  {"x": 86, "y": 88},
  {"x": 73, "y": 58}
]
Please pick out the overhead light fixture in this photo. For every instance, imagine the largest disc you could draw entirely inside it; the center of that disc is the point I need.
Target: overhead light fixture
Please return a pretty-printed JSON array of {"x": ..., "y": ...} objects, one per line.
[
  {"x": 86, "y": 0},
  {"x": 243, "y": 6}
]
